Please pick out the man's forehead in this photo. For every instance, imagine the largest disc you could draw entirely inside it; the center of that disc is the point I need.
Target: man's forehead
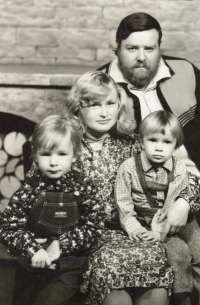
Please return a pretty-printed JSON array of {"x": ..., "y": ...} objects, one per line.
[{"x": 150, "y": 37}]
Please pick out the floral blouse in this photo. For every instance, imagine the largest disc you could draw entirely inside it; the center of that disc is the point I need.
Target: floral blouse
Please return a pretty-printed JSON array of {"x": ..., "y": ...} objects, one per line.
[{"x": 98, "y": 171}]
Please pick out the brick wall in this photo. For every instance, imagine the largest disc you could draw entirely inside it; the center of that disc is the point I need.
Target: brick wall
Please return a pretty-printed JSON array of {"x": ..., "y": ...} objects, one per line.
[
  {"x": 77, "y": 32},
  {"x": 34, "y": 96}
]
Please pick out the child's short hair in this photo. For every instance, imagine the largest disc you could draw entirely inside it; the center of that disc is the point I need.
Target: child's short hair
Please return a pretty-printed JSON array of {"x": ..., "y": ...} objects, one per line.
[
  {"x": 157, "y": 121},
  {"x": 50, "y": 132},
  {"x": 93, "y": 86}
]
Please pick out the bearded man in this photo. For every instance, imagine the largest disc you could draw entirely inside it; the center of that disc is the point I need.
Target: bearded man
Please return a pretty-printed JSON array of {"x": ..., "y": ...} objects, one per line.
[{"x": 154, "y": 82}]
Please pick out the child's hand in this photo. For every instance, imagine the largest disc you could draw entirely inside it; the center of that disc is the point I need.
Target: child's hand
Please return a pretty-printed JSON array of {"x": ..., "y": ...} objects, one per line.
[
  {"x": 150, "y": 236},
  {"x": 40, "y": 259},
  {"x": 137, "y": 234},
  {"x": 54, "y": 250}
]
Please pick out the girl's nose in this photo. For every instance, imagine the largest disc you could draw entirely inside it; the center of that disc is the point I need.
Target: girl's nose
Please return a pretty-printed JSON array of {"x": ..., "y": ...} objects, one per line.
[
  {"x": 104, "y": 111},
  {"x": 53, "y": 160}
]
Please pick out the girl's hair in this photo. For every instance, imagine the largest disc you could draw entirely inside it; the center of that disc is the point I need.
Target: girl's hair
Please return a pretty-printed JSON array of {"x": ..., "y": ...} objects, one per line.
[
  {"x": 156, "y": 122},
  {"x": 50, "y": 132},
  {"x": 93, "y": 86}
]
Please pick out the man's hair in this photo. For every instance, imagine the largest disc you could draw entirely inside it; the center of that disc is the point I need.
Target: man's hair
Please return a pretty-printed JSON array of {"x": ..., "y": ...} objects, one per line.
[
  {"x": 136, "y": 22},
  {"x": 50, "y": 132},
  {"x": 157, "y": 121}
]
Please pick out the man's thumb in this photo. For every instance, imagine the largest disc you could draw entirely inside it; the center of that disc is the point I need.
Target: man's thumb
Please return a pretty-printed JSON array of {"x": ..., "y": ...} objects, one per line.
[
  {"x": 164, "y": 232},
  {"x": 162, "y": 216}
]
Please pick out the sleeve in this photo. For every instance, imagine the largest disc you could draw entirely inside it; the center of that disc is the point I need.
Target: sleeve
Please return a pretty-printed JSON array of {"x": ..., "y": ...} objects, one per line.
[
  {"x": 13, "y": 232},
  {"x": 125, "y": 205},
  {"x": 85, "y": 235},
  {"x": 194, "y": 193},
  {"x": 157, "y": 227},
  {"x": 189, "y": 187}
]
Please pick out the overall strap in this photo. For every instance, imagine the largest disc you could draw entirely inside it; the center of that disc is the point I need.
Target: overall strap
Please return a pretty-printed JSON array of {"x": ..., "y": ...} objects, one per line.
[{"x": 145, "y": 183}]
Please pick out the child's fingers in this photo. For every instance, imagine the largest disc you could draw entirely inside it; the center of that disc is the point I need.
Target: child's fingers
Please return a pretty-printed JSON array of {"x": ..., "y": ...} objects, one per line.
[{"x": 48, "y": 261}]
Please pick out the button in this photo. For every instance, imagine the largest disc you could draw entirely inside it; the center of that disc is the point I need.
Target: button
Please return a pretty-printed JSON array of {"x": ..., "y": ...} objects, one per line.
[{"x": 61, "y": 204}]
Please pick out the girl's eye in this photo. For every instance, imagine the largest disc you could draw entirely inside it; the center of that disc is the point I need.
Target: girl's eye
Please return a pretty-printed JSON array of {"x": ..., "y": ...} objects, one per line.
[
  {"x": 152, "y": 140},
  {"x": 45, "y": 154},
  {"x": 93, "y": 105},
  {"x": 167, "y": 142},
  {"x": 62, "y": 154}
]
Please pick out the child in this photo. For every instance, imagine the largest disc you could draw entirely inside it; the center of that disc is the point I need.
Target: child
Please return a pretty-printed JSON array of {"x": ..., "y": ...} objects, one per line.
[
  {"x": 41, "y": 222},
  {"x": 152, "y": 181}
]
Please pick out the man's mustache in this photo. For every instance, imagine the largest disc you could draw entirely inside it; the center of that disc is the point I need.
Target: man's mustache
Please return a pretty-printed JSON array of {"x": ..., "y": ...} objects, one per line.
[{"x": 141, "y": 66}]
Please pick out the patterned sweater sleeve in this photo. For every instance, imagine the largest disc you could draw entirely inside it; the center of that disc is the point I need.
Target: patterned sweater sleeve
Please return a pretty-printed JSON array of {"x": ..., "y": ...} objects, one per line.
[{"x": 13, "y": 232}]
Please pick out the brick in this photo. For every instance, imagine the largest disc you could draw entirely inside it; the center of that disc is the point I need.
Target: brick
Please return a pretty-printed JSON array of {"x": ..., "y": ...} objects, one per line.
[
  {"x": 17, "y": 51},
  {"x": 7, "y": 36},
  {"x": 77, "y": 62},
  {"x": 39, "y": 61},
  {"x": 57, "y": 52},
  {"x": 24, "y": 79},
  {"x": 63, "y": 80},
  {"x": 173, "y": 41},
  {"x": 97, "y": 2},
  {"x": 52, "y": 2},
  {"x": 78, "y": 11},
  {"x": 17, "y": 2},
  {"x": 84, "y": 38},
  {"x": 10, "y": 60},
  {"x": 25, "y": 11},
  {"x": 86, "y": 54},
  {"x": 100, "y": 23},
  {"x": 106, "y": 55},
  {"x": 37, "y": 37}
]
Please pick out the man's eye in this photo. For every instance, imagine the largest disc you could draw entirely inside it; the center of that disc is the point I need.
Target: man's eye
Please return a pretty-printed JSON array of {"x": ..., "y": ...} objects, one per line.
[
  {"x": 149, "y": 49},
  {"x": 132, "y": 49}
]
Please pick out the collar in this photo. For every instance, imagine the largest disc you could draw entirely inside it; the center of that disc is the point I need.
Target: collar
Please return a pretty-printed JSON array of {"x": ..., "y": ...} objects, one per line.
[
  {"x": 162, "y": 73},
  {"x": 147, "y": 165}
]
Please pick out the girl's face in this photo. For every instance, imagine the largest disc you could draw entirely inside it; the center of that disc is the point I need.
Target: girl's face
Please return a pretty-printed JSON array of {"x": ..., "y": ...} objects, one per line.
[
  {"x": 102, "y": 115},
  {"x": 57, "y": 162},
  {"x": 158, "y": 147}
]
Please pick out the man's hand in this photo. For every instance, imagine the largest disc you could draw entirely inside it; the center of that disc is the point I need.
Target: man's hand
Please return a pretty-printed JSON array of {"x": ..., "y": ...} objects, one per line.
[
  {"x": 40, "y": 259},
  {"x": 176, "y": 217}
]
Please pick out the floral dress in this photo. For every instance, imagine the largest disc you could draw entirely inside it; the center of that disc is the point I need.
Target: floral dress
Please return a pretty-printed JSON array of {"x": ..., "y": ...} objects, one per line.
[{"x": 116, "y": 261}]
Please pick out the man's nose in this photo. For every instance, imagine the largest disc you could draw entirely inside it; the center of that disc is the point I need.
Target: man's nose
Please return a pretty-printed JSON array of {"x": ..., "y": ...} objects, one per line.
[{"x": 141, "y": 55}]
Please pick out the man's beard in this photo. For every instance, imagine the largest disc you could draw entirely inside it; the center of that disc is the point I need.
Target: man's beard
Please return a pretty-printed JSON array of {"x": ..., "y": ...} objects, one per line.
[{"x": 139, "y": 78}]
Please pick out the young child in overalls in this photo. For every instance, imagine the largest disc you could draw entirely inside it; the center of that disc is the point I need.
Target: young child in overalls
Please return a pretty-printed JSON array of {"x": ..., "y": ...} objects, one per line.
[
  {"x": 149, "y": 183},
  {"x": 41, "y": 223}
]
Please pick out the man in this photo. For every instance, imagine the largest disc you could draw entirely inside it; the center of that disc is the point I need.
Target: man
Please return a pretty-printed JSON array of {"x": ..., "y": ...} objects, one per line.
[{"x": 153, "y": 82}]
